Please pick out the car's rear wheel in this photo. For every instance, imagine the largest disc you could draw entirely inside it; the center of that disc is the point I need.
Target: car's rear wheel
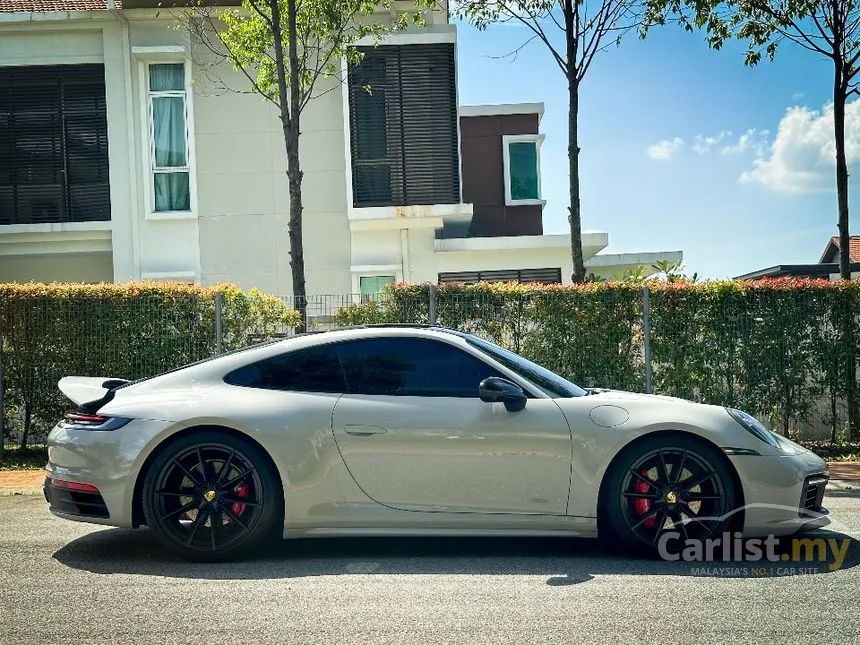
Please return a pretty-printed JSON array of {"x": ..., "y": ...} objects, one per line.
[
  {"x": 669, "y": 483},
  {"x": 210, "y": 496}
]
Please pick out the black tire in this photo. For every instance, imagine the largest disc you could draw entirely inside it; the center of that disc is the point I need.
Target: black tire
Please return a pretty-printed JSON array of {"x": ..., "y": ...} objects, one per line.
[
  {"x": 210, "y": 496},
  {"x": 678, "y": 479}
]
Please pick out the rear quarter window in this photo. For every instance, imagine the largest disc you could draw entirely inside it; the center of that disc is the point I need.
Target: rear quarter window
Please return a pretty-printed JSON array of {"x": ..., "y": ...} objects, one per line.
[{"x": 311, "y": 370}]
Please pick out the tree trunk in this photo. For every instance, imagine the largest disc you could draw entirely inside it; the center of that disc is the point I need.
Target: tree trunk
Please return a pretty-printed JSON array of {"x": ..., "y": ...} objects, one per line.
[
  {"x": 25, "y": 431},
  {"x": 290, "y": 103},
  {"x": 574, "y": 215},
  {"x": 840, "y": 91},
  {"x": 841, "y": 174}
]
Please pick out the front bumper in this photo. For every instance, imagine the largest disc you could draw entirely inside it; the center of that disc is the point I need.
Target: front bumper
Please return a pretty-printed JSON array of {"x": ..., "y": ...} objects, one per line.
[{"x": 782, "y": 494}]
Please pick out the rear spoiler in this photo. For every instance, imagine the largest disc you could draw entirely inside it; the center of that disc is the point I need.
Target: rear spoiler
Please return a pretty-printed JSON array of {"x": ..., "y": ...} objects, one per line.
[{"x": 90, "y": 392}]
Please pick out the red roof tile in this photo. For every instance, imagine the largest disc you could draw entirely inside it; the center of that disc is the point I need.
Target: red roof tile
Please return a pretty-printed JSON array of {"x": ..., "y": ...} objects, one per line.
[
  {"x": 831, "y": 253},
  {"x": 29, "y": 6}
]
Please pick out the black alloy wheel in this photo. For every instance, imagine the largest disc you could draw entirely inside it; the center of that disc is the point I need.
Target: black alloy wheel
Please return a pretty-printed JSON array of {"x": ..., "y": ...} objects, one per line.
[
  {"x": 672, "y": 483},
  {"x": 210, "y": 496}
]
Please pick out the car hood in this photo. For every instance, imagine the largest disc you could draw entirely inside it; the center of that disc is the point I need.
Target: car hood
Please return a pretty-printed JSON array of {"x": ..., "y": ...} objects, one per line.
[{"x": 620, "y": 396}]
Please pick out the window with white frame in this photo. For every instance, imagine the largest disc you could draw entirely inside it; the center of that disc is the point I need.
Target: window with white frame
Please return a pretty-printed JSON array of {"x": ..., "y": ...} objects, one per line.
[
  {"x": 370, "y": 286},
  {"x": 521, "y": 154},
  {"x": 168, "y": 134}
]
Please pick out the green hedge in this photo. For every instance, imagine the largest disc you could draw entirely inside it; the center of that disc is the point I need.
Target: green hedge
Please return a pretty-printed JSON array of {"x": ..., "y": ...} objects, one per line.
[
  {"x": 120, "y": 330},
  {"x": 774, "y": 347}
]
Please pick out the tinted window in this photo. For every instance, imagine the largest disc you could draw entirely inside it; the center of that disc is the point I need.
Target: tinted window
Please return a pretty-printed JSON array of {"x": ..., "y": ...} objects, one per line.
[
  {"x": 309, "y": 370},
  {"x": 411, "y": 367}
]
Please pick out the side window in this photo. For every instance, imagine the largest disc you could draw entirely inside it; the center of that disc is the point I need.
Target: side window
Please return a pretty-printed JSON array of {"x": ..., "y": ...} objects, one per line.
[
  {"x": 521, "y": 157},
  {"x": 411, "y": 367},
  {"x": 311, "y": 370},
  {"x": 169, "y": 143}
]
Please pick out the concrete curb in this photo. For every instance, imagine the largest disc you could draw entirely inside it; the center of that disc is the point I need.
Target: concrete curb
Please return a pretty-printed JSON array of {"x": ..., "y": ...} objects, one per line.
[{"x": 844, "y": 485}]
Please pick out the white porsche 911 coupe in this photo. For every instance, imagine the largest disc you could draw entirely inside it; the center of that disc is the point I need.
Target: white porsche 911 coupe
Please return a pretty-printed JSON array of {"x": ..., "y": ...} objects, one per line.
[{"x": 407, "y": 430}]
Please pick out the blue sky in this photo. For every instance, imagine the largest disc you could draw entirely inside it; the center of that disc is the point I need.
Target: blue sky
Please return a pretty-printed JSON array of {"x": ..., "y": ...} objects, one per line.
[{"x": 683, "y": 148}]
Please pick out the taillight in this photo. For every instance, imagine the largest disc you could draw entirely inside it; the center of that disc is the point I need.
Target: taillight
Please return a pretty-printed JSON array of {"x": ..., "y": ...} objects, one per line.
[
  {"x": 83, "y": 421},
  {"x": 83, "y": 488}
]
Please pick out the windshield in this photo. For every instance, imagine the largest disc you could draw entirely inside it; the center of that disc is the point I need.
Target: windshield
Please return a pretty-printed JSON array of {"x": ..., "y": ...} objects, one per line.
[{"x": 549, "y": 381}]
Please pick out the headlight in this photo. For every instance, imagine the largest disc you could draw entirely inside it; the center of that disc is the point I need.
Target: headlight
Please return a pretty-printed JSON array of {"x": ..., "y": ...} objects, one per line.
[{"x": 754, "y": 427}]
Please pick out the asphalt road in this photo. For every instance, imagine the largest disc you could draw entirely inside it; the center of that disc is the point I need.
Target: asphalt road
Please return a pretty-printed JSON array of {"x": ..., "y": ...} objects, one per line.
[{"x": 63, "y": 582}]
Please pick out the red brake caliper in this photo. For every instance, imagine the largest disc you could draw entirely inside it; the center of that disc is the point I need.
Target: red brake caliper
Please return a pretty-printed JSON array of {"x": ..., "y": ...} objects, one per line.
[
  {"x": 242, "y": 490},
  {"x": 643, "y": 506}
]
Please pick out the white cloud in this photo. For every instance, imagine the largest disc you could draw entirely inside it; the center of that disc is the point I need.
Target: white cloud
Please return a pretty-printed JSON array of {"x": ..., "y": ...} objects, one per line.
[
  {"x": 703, "y": 144},
  {"x": 663, "y": 150},
  {"x": 802, "y": 156},
  {"x": 724, "y": 143},
  {"x": 752, "y": 139}
]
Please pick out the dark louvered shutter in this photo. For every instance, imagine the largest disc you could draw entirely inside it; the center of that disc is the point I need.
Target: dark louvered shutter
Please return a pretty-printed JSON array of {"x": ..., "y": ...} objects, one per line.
[
  {"x": 53, "y": 144},
  {"x": 403, "y": 126},
  {"x": 545, "y": 276}
]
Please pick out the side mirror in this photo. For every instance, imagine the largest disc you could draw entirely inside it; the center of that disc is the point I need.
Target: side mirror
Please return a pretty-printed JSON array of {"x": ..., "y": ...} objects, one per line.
[{"x": 499, "y": 390}]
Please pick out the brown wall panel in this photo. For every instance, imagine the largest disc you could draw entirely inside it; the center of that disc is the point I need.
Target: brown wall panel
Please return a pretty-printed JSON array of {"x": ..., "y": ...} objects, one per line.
[{"x": 483, "y": 176}]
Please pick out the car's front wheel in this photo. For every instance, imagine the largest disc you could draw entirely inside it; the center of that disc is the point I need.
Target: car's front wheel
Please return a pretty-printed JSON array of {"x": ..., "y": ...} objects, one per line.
[
  {"x": 210, "y": 496},
  {"x": 669, "y": 488}
]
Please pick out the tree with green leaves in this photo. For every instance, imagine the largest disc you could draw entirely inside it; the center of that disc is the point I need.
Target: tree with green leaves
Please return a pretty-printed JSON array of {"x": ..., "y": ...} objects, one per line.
[
  {"x": 285, "y": 48},
  {"x": 574, "y": 32},
  {"x": 828, "y": 28}
]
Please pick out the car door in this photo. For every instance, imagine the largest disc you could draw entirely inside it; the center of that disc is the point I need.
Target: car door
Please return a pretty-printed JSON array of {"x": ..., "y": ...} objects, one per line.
[
  {"x": 415, "y": 436},
  {"x": 290, "y": 401}
]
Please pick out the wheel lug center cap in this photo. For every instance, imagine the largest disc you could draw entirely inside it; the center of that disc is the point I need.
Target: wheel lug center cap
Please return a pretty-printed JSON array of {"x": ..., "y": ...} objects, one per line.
[
  {"x": 671, "y": 497},
  {"x": 210, "y": 496}
]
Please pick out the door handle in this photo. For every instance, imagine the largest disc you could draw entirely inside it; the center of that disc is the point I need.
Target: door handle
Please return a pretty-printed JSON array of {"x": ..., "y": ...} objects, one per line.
[{"x": 363, "y": 431}]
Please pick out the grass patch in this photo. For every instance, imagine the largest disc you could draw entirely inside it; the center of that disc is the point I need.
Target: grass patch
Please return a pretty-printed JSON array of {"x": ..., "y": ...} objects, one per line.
[{"x": 29, "y": 458}]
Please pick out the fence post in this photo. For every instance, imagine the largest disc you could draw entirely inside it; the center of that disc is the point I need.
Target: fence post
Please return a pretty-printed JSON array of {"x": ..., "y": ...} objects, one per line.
[
  {"x": 432, "y": 292},
  {"x": 646, "y": 336},
  {"x": 219, "y": 335}
]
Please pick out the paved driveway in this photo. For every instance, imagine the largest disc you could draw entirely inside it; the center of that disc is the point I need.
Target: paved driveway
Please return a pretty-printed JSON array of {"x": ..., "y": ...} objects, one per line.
[{"x": 62, "y": 582}]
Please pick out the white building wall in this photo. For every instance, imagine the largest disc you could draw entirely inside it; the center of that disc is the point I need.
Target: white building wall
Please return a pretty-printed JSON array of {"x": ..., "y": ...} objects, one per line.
[
  {"x": 236, "y": 179},
  {"x": 69, "y": 267},
  {"x": 376, "y": 247},
  {"x": 243, "y": 189},
  {"x": 167, "y": 247},
  {"x": 123, "y": 172},
  {"x": 45, "y": 44},
  {"x": 423, "y": 260}
]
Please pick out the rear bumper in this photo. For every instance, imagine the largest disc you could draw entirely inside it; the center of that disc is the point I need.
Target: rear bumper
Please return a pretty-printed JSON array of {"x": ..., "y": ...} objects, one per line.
[
  {"x": 109, "y": 460},
  {"x": 77, "y": 503}
]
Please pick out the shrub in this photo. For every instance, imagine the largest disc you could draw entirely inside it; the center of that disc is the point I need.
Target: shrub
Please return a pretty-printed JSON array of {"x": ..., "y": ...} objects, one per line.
[
  {"x": 773, "y": 347},
  {"x": 120, "y": 330}
]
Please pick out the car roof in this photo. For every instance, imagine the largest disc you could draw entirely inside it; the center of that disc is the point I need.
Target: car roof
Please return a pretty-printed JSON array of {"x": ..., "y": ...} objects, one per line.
[
  {"x": 216, "y": 366},
  {"x": 354, "y": 332}
]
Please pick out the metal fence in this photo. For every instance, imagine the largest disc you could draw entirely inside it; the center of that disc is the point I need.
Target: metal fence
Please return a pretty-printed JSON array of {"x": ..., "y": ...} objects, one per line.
[{"x": 781, "y": 358}]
